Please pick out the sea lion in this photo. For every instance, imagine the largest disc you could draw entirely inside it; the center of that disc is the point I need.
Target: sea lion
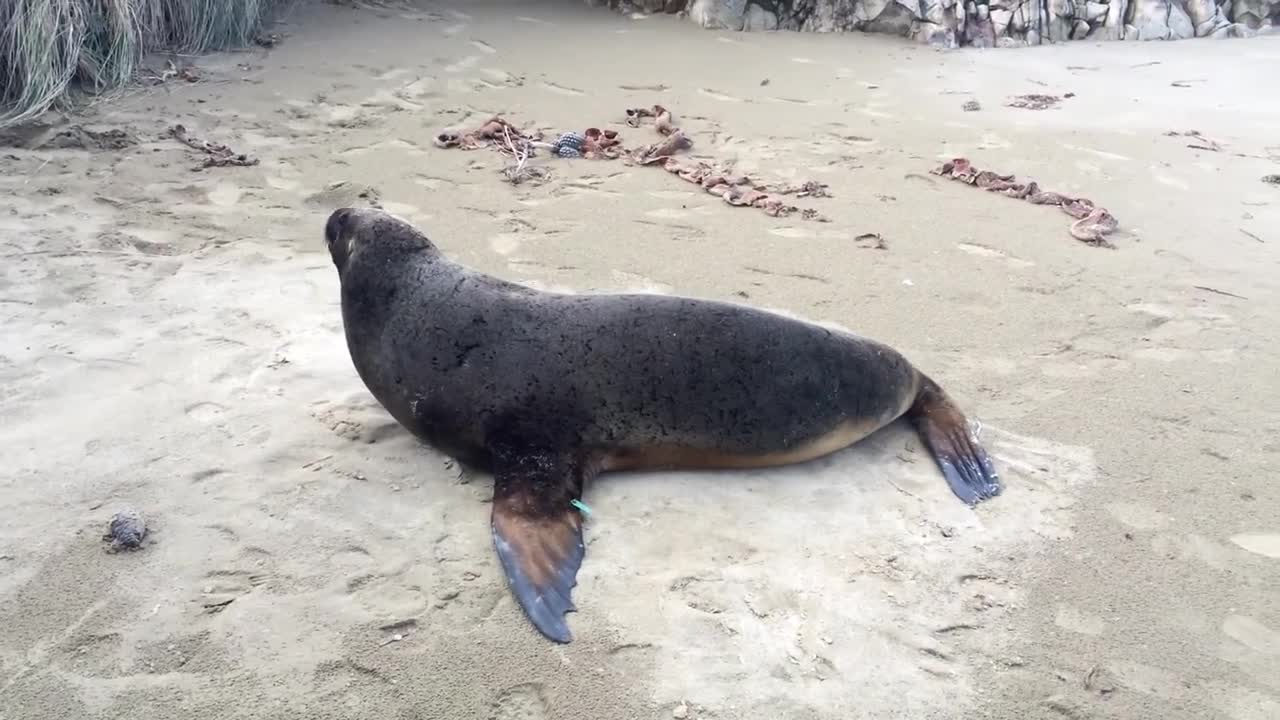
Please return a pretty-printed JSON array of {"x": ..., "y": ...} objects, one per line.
[{"x": 546, "y": 390}]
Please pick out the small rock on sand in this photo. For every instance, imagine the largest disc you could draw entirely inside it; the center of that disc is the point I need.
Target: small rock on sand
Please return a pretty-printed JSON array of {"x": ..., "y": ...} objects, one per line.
[{"x": 127, "y": 530}]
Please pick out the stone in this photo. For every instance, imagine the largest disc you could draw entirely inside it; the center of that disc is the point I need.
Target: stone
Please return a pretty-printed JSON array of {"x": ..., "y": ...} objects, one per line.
[
  {"x": 1234, "y": 30},
  {"x": 1252, "y": 13},
  {"x": 759, "y": 20},
  {"x": 936, "y": 12},
  {"x": 127, "y": 530},
  {"x": 1000, "y": 21},
  {"x": 1200, "y": 11},
  {"x": 983, "y": 23},
  {"x": 1206, "y": 28},
  {"x": 1151, "y": 18},
  {"x": 895, "y": 19},
  {"x": 719, "y": 14},
  {"x": 1115, "y": 19},
  {"x": 1180, "y": 26},
  {"x": 1060, "y": 28},
  {"x": 980, "y": 34}
]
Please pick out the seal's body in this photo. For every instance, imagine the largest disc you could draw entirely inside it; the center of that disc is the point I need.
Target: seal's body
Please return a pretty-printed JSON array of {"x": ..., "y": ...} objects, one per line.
[{"x": 545, "y": 390}]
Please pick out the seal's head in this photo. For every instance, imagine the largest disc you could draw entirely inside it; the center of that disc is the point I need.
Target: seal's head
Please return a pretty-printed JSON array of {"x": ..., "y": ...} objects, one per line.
[{"x": 363, "y": 232}]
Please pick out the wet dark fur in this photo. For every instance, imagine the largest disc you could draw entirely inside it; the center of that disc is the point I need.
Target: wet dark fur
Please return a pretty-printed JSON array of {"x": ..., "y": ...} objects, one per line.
[
  {"x": 464, "y": 359},
  {"x": 545, "y": 389}
]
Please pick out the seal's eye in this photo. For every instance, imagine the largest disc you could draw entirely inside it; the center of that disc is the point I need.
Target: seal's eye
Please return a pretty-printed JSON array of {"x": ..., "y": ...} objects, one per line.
[{"x": 337, "y": 225}]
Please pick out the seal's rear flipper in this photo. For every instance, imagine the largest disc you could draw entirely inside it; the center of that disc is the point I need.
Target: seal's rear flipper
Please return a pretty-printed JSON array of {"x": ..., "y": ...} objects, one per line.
[
  {"x": 963, "y": 461},
  {"x": 538, "y": 535}
]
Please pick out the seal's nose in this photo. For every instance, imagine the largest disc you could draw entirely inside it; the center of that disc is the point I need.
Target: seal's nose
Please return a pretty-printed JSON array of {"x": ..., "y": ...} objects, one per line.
[{"x": 336, "y": 225}]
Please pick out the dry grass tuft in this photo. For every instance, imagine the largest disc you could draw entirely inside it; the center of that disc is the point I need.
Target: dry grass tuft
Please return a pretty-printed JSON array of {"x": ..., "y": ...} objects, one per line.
[{"x": 47, "y": 47}]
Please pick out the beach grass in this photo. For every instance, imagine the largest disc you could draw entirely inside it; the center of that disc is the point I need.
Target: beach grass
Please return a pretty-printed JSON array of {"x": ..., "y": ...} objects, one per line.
[{"x": 49, "y": 48}]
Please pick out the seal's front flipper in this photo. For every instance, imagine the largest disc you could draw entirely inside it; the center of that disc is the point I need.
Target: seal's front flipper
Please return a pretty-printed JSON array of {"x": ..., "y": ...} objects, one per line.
[
  {"x": 537, "y": 532},
  {"x": 963, "y": 461}
]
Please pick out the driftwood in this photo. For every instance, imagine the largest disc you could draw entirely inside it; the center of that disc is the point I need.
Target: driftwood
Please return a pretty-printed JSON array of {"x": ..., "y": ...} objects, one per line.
[{"x": 216, "y": 154}]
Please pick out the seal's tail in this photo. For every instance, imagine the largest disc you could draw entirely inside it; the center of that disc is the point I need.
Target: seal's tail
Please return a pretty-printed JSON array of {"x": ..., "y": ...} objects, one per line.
[{"x": 963, "y": 461}]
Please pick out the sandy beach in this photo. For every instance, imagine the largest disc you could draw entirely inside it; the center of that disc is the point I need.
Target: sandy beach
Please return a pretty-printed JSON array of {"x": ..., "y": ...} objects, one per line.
[{"x": 173, "y": 343}]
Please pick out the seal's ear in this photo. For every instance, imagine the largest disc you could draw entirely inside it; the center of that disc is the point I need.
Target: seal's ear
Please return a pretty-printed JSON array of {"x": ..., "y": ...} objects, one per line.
[{"x": 337, "y": 237}]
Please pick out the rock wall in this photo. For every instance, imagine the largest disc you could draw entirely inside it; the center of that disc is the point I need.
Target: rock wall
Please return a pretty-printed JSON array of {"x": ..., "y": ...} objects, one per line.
[{"x": 983, "y": 23}]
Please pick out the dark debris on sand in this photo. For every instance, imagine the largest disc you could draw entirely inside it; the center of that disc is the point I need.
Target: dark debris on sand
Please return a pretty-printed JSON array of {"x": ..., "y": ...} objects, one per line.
[{"x": 127, "y": 530}]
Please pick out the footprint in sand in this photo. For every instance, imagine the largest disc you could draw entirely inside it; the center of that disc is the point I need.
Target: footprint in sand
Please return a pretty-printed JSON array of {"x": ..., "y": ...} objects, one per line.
[
  {"x": 872, "y": 112},
  {"x": 205, "y": 412},
  {"x": 991, "y": 141},
  {"x": 1161, "y": 313},
  {"x": 431, "y": 182},
  {"x": 280, "y": 183},
  {"x": 984, "y": 251},
  {"x": 505, "y": 243},
  {"x": 561, "y": 89},
  {"x": 225, "y": 194},
  {"x": 583, "y": 189},
  {"x": 57, "y": 362},
  {"x": 483, "y": 46},
  {"x": 402, "y": 147},
  {"x": 343, "y": 194},
  {"x": 404, "y": 210},
  {"x": 1160, "y": 354},
  {"x": 1193, "y": 547},
  {"x": 791, "y": 233},
  {"x": 502, "y": 77},
  {"x": 1078, "y": 621},
  {"x": 464, "y": 64},
  {"x": 520, "y": 702},
  {"x": 1097, "y": 153},
  {"x": 1169, "y": 180},
  {"x": 358, "y": 422},
  {"x": 1147, "y": 679},
  {"x": 667, "y": 213},
  {"x": 1264, "y": 544},
  {"x": 635, "y": 282},
  {"x": 675, "y": 194},
  {"x": 393, "y": 73},
  {"x": 223, "y": 587},
  {"x": 1252, "y": 634},
  {"x": 716, "y": 95},
  {"x": 1137, "y": 517}
]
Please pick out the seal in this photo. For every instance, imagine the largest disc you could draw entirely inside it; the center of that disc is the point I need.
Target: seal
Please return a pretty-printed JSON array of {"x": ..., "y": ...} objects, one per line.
[{"x": 546, "y": 390}]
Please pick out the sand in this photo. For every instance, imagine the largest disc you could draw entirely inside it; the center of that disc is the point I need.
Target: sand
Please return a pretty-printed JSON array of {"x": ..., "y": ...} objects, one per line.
[{"x": 172, "y": 343}]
